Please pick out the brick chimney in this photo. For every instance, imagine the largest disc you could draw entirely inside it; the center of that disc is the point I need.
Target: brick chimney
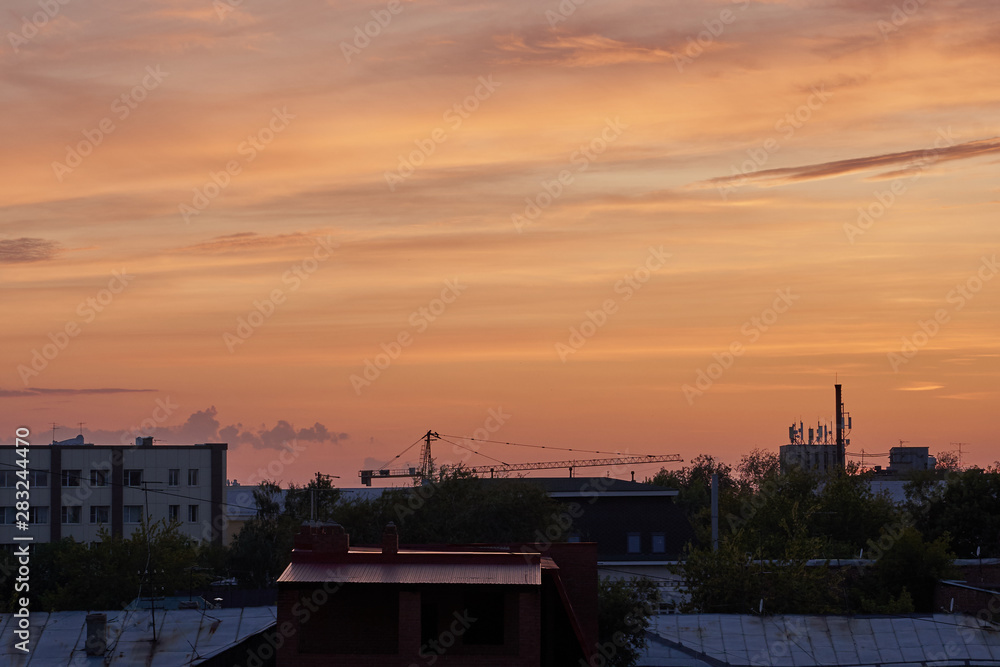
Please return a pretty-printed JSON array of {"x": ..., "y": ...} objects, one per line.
[
  {"x": 390, "y": 539},
  {"x": 323, "y": 538}
]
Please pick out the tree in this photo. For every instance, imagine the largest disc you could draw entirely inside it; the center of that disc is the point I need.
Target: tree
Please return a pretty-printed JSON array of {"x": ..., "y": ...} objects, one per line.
[
  {"x": 966, "y": 505},
  {"x": 905, "y": 573},
  {"x": 757, "y": 467},
  {"x": 947, "y": 461},
  {"x": 459, "y": 507},
  {"x": 623, "y": 611},
  {"x": 847, "y": 514},
  {"x": 694, "y": 484},
  {"x": 262, "y": 549},
  {"x": 109, "y": 574},
  {"x": 316, "y": 500},
  {"x": 733, "y": 580}
]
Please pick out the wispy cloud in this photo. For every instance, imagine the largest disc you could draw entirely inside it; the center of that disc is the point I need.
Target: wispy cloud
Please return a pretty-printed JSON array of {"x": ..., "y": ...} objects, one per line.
[
  {"x": 909, "y": 160},
  {"x": 247, "y": 241},
  {"x": 21, "y": 393},
  {"x": 590, "y": 50},
  {"x": 26, "y": 249}
]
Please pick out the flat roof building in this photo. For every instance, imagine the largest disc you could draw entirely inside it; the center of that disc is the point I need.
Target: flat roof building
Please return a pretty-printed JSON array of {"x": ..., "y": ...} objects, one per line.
[
  {"x": 488, "y": 605},
  {"x": 76, "y": 489}
]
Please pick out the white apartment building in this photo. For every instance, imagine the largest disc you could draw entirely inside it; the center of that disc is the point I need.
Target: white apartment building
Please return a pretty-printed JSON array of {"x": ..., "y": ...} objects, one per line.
[{"x": 77, "y": 488}]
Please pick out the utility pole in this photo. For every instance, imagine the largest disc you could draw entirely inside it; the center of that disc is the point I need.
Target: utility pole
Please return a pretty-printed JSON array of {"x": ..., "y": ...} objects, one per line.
[
  {"x": 715, "y": 511},
  {"x": 149, "y": 553},
  {"x": 312, "y": 494}
]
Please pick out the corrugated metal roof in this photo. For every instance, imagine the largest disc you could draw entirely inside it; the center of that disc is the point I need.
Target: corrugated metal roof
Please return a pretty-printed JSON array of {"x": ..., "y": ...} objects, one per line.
[
  {"x": 184, "y": 637},
  {"x": 517, "y": 573},
  {"x": 811, "y": 641}
]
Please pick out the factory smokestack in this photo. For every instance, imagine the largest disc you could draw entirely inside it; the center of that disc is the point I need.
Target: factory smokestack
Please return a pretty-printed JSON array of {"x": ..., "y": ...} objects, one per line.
[{"x": 841, "y": 450}]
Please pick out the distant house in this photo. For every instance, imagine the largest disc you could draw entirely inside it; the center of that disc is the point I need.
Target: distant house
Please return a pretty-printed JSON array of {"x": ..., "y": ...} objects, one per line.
[{"x": 488, "y": 605}]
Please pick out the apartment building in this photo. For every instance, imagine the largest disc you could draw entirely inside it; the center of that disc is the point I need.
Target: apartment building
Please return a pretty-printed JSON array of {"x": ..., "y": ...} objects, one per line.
[{"x": 77, "y": 488}]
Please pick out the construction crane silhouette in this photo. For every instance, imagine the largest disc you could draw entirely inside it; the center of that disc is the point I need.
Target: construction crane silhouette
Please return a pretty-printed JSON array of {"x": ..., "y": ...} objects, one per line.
[{"x": 425, "y": 471}]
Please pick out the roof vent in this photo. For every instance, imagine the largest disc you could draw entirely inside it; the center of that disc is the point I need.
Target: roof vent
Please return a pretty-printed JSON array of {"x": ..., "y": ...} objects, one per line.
[{"x": 97, "y": 634}]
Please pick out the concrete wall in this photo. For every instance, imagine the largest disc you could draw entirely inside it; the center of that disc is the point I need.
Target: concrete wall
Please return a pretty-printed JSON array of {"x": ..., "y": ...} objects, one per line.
[{"x": 113, "y": 461}]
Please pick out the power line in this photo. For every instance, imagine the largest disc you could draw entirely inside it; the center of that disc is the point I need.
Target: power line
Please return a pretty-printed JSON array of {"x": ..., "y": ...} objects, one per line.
[
  {"x": 382, "y": 467},
  {"x": 113, "y": 483},
  {"x": 521, "y": 444},
  {"x": 474, "y": 451}
]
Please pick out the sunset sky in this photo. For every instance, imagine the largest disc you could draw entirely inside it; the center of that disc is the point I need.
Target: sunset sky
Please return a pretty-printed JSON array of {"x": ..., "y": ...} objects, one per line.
[{"x": 217, "y": 215}]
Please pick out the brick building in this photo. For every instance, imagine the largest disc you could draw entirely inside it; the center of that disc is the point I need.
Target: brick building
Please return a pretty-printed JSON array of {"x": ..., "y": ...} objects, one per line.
[{"x": 494, "y": 605}]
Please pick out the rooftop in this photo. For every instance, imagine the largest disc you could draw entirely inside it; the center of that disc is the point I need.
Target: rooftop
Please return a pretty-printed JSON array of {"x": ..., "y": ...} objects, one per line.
[
  {"x": 184, "y": 637},
  {"x": 807, "y": 641}
]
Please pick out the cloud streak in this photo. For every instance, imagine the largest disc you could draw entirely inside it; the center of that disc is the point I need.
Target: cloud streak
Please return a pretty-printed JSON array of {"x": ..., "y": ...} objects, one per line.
[
  {"x": 909, "y": 161},
  {"x": 26, "y": 249},
  {"x": 244, "y": 241},
  {"x": 26, "y": 393}
]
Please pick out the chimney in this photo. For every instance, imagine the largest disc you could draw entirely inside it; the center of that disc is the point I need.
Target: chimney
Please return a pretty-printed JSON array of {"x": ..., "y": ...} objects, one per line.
[
  {"x": 841, "y": 450},
  {"x": 97, "y": 634},
  {"x": 331, "y": 538},
  {"x": 390, "y": 539},
  {"x": 328, "y": 538}
]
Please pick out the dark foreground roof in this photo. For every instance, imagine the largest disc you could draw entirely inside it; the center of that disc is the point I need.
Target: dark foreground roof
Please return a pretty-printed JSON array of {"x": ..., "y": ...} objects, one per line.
[
  {"x": 793, "y": 640},
  {"x": 183, "y": 637}
]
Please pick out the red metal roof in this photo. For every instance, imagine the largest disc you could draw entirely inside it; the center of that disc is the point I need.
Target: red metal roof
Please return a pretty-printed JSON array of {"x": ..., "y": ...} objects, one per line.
[{"x": 518, "y": 573}]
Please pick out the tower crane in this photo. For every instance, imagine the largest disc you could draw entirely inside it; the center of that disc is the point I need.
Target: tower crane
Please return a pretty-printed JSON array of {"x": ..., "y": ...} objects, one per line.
[{"x": 425, "y": 471}]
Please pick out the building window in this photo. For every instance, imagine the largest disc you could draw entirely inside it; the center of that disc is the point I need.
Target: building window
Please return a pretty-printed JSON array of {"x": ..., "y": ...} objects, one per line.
[
  {"x": 367, "y": 622},
  {"x": 71, "y": 478},
  {"x": 133, "y": 513},
  {"x": 193, "y": 477},
  {"x": 39, "y": 478},
  {"x": 659, "y": 543},
  {"x": 192, "y": 513},
  {"x": 489, "y": 604},
  {"x": 174, "y": 512},
  {"x": 133, "y": 478},
  {"x": 174, "y": 477},
  {"x": 7, "y": 479},
  {"x": 100, "y": 514},
  {"x": 7, "y": 516},
  {"x": 98, "y": 477},
  {"x": 634, "y": 543},
  {"x": 71, "y": 514},
  {"x": 38, "y": 514}
]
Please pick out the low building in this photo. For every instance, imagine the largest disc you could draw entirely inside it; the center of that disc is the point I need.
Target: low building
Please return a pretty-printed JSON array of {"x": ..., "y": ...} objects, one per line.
[
  {"x": 629, "y": 521},
  {"x": 908, "y": 459},
  {"x": 76, "y": 489},
  {"x": 818, "y": 458},
  {"x": 491, "y": 605}
]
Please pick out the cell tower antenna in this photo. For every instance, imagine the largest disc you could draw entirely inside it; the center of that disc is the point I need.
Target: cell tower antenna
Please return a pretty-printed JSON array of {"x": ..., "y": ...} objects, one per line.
[{"x": 959, "y": 445}]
